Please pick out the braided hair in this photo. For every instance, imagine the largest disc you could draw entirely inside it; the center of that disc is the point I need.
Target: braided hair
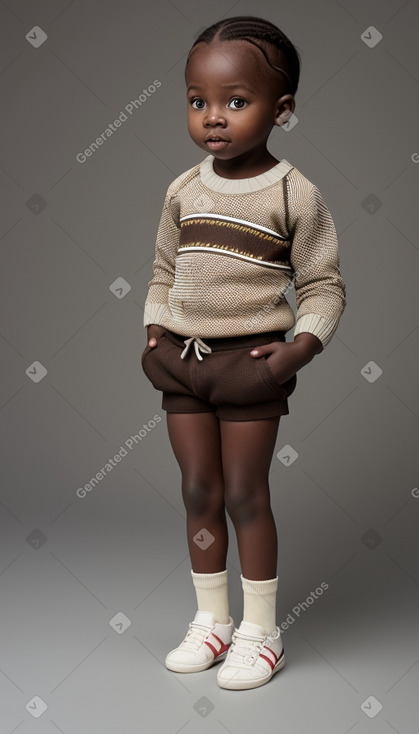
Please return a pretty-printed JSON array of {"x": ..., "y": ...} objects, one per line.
[{"x": 263, "y": 34}]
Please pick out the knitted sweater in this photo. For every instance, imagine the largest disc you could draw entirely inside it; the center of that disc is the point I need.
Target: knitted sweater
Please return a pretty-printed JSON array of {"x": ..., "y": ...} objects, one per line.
[{"x": 228, "y": 251}]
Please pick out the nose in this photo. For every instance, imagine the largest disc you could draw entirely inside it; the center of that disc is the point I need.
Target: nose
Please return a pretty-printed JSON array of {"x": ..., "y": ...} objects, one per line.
[{"x": 214, "y": 116}]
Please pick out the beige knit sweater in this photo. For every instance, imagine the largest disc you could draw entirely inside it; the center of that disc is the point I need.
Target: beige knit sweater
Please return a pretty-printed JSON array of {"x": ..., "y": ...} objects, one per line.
[{"x": 229, "y": 250}]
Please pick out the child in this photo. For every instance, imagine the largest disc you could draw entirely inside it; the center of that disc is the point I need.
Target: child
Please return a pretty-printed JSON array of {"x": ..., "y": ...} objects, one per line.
[{"x": 235, "y": 232}]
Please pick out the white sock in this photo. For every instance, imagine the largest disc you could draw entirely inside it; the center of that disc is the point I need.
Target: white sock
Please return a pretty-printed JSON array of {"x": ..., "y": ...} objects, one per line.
[
  {"x": 259, "y": 605},
  {"x": 212, "y": 594}
]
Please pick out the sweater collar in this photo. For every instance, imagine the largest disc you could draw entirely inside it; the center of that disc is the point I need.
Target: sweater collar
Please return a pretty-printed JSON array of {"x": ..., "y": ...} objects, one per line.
[{"x": 241, "y": 185}]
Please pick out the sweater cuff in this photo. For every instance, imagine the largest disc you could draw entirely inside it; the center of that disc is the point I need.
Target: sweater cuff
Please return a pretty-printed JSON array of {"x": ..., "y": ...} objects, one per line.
[
  {"x": 155, "y": 313},
  {"x": 320, "y": 326}
]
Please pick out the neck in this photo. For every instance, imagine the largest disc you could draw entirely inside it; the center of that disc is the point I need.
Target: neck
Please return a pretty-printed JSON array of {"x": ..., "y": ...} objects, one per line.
[{"x": 247, "y": 167}]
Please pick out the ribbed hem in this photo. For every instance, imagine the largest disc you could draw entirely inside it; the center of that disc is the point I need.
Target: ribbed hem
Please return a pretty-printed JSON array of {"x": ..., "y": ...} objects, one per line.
[
  {"x": 270, "y": 586},
  {"x": 241, "y": 185},
  {"x": 320, "y": 326},
  {"x": 209, "y": 580},
  {"x": 155, "y": 313}
]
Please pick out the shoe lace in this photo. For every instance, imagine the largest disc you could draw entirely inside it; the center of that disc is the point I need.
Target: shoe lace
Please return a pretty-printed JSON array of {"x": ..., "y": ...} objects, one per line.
[
  {"x": 195, "y": 636},
  {"x": 246, "y": 648}
]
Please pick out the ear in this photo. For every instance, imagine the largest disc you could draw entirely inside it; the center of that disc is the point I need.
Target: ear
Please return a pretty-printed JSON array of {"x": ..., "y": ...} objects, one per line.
[{"x": 284, "y": 108}]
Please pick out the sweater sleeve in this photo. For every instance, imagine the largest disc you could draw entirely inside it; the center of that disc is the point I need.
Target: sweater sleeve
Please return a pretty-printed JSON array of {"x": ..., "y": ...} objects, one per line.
[
  {"x": 156, "y": 306},
  {"x": 319, "y": 288}
]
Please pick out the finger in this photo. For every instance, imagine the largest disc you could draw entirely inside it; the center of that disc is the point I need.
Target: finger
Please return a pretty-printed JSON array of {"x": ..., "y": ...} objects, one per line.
[
  {"x": 152, "y": 341},
  {"x": 260, "y": 351}
]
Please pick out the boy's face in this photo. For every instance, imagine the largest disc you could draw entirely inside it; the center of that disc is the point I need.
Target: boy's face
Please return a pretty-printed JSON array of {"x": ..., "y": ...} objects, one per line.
[{"x": 233, "y": 94}]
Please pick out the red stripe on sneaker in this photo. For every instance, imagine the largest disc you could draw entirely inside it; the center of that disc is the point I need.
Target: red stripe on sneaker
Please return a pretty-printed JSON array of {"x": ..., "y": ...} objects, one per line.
[
  {"x": 267, "y": 660},
  {"x": 215, "y": 653},
  {"x": 222, "y": 649},
  {"x": 272, "y": 653},
  {"x": 217, "y": 638},
  {"x": 218, "y": 642}
]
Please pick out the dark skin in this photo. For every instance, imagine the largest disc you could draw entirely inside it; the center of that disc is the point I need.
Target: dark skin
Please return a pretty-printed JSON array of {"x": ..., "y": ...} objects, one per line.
[{"x": 225, "y": 464}]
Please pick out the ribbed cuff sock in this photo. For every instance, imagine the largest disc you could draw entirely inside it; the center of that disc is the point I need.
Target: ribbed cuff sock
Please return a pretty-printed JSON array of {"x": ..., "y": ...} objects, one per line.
[
  {"x": 212, "y": 594},
  {"x": 259, "y": 602}
]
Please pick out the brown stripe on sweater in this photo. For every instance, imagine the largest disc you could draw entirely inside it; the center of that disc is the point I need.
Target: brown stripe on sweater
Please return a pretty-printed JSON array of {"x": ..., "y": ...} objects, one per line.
[{"x": 241, "y": 238}]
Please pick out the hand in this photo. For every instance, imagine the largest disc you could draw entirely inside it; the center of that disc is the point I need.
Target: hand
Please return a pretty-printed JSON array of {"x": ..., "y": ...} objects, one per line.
[
  {"x": 154, "y": 332},
  {"x": 289, "y": 357}
]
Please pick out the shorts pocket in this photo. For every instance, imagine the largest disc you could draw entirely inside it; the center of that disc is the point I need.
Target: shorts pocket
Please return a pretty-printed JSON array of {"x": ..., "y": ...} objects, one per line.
[
  {"x": 269, "y": 376},
  {"x": 159, "y": 366},
  {"x": 144, "y": 354},
  {"x": 234, "y": 377},
  {"x": 149, "y": 349},
  {"x": 284, "y": 388}
]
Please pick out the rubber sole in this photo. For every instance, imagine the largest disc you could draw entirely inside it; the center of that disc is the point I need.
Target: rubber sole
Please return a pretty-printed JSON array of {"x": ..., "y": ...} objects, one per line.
[
  {"x": 185, "y": 668},
  {"x": 235, "y": 684}
]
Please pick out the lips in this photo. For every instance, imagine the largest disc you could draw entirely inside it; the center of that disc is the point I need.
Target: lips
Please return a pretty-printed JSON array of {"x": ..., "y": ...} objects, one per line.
[
  {"x": 216, "y": 144},
  {"x": 217, "y": 138}
]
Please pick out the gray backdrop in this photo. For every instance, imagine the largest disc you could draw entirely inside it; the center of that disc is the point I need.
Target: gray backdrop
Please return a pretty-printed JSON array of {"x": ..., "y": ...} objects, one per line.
[{"x": 95, "y": 586}]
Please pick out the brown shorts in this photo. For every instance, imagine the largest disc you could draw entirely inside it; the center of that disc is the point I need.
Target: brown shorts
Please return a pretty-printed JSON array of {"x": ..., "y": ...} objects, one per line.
[{"x": 227, "y": 380}]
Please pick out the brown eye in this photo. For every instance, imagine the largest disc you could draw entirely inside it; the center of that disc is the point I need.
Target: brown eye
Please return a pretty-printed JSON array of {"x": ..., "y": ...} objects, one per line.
[{"x": 240, "y": 100}]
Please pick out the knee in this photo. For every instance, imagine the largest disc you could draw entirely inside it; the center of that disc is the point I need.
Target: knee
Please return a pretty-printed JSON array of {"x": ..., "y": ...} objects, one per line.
[
  {"x": 202, "y": 496},
  {"x": 245, "y": 502}
]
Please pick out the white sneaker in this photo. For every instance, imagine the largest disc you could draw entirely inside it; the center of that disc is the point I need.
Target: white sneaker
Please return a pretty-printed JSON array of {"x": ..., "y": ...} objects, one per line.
[
  {"x": 252, "y": 659},
  {"x": 206, "y": 642}
]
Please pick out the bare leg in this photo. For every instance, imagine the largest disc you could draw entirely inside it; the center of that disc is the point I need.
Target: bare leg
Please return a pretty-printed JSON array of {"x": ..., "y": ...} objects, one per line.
[
  {"x": 247, "y": 448},
  {"x": 196, "y": 443}
]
